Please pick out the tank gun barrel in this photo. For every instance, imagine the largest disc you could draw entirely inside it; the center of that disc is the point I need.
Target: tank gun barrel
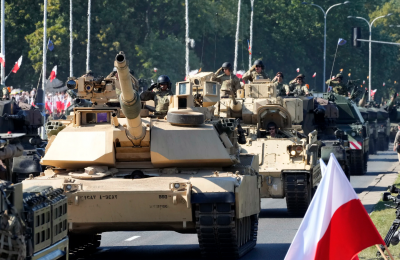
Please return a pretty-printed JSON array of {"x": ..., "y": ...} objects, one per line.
[{"x": 129, "y": 98}]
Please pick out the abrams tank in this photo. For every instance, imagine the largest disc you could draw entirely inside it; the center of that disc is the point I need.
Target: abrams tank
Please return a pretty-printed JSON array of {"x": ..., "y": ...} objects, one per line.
[
  {"x": 355, "y": 128},
  {"x": 289, "y": 163},
  {"x": 19, "y": 124},
  {"x": 394, "y": 116},
  {"x": 383, "y": 124},
  {"x": 123, "y": 172}
]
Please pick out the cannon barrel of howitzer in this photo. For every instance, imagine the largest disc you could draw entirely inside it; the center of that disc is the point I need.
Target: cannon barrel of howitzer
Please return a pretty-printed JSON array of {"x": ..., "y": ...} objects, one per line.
[{"x": 129, "y": 98}]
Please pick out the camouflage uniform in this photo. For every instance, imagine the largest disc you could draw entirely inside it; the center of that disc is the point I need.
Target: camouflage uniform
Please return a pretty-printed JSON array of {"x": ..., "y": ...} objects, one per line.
[
  {"x": 340, "y": 88},
  {"x": 225, "y": 81},
  {"x": 293, "y": 85},
  {"x": 161, "y": 100},
  {"x": 281, "y": 88},
  {"x": 252, "y": 75}
]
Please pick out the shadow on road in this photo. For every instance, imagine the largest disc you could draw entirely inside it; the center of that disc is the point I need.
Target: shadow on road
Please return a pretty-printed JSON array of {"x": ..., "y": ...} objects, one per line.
[
  {"x": 176, "y": 252},
  {"x": 275, "y": 213},
  {"x": 359, "y": 190},
  {"x": 268, "y": 252},
  {"x": 383, "y": 160}
]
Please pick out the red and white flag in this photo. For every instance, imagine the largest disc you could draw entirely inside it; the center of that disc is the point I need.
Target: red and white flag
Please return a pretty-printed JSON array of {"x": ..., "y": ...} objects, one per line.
[
  {"x": 298, "y": 70},
  {"x": 2, "y": 59},
  {"x": 17, "y": 65},
  {"x": 53, "y": 73},
  {"x": 315, "y": 74},
  {"x": 384, "y": 84},
  {"x": 373, "y": 91},
  {"x": 336, "y": 224},
  {"x": 240, "y": 73}
]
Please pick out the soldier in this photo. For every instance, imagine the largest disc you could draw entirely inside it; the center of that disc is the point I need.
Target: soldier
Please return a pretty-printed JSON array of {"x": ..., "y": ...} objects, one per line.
[
  {"x": 227, "y": 80},
  {"x": 255, "y": 72},
  {"x": 282, "y": 89},
  {"x": 337, "y": 84},
  {"x": 298, "y": 85},
  {"x": 273, "y": 129},
  {"x": 161, "y": 97},
  {"x": 396, "y": 145}
]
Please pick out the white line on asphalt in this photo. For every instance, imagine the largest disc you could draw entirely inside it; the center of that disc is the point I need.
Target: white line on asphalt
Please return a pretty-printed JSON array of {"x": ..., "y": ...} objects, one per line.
[{"x": 132, "y": 238}]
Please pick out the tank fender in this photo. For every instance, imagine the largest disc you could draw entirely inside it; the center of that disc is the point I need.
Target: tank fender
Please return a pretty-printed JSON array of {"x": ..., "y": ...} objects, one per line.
[
  {"x": 247, "y": 196},
  {"x": 213, "y": 189}
]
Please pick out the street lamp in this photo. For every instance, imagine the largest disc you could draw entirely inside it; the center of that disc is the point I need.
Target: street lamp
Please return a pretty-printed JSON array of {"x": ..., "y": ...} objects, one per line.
[
  {"x": 370, "y": 30},
  {"x": 325, "y": 14}
]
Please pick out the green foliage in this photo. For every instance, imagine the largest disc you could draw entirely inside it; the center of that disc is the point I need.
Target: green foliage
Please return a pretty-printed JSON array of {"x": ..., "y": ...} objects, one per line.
[{"x": 287, "y": 35}]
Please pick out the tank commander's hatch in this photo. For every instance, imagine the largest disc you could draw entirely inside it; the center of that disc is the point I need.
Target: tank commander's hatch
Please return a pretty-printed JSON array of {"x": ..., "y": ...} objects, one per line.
[
  {"x": 273, "y": 113},
  {"x": 261, "y": 89}
]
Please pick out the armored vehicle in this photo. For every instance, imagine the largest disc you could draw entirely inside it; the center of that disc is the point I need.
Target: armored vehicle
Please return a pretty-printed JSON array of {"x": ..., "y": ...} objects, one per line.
[
  {"x": 34, "y": 222},
  {"x": 289, "y": 163},
  {"x": 133, "y": 173},
  {"x": 394, "y": 116},
  {"x": 370, "y": 116},
  {"x": 22, "y": 119},
  {"x": 355, "y": 128}
]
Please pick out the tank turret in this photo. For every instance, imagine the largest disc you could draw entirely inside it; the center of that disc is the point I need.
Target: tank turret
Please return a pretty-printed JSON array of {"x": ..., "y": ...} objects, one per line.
[{"x": 129, "y": 99}]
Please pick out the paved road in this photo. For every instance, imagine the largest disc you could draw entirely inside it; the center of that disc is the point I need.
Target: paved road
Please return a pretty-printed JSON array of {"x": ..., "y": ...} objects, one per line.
[{"x": 276, "y": 229}]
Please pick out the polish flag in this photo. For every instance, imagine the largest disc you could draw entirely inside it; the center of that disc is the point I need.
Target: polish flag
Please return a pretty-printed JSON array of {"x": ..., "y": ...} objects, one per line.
[
  {"x": 373, "y": 91},
  {"x": 2, "y": 59},
  {"x": 298, "y": 70},
  {"x": 315, "y": 74},
  {"x": 53, "y": 73},
  {"x": 336, "y": 224},
  {"x": 240, "y": 74},
  {"x": 384, "y": 84},
  {"x": 17, "y": 65}
]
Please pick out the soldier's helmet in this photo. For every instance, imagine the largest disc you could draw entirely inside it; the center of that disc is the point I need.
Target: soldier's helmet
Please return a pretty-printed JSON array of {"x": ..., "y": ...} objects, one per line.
[
  {"x": 301, "y": 76},
  {"x": 259, "y": 63},
  {"x": 164, "y": 79},
  {"x": 227, "y": 65},
  {"x": 339, "y": 75}
]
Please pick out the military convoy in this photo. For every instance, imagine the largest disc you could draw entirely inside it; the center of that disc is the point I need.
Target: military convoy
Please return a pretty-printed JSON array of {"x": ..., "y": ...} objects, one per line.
[{"x": 187, "y": 176}]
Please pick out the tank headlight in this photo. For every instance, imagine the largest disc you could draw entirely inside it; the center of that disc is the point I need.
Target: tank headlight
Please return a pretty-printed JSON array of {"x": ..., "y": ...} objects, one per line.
[
  {"x": 68, "y": 187},
  {"x": 177, "y": 185},
  {"x": 293, "y": 152},
  {"x": 299, "y": 149},
  {"x": 353, "y": 133}
]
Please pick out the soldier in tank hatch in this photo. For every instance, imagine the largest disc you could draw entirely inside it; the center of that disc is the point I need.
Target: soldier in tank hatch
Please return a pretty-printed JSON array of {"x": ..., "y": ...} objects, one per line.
[
  {"x": 161, "y": 97},
  {"x": 298, "y": 85},
  {"x": 255, "y": 72},
  {"x": 337, "y": 84},
  {"x": 227, "y": 80}
]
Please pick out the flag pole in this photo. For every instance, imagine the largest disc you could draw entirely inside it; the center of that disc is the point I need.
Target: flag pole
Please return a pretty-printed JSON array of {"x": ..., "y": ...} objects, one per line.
[
  {"x": 237, "y": 38},
  {"x": 382, "y": 254},
  {"x": 3, "y": 44},
  {"x": 88, "y": 31},
  {"x": 71, "y": 74},
  {"x": 334, "y": 61},
  {"x": 44, "y": 63},
  {"x": 251, "y": 32}
]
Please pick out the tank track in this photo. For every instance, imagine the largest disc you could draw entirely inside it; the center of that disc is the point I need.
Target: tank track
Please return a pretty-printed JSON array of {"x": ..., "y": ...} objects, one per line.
[
  {"x": 358, "y": 164},
  {"x": 297, "y": 190},
  {"x": 82, "y": 245},
  {"x": 221, "y": 235}
]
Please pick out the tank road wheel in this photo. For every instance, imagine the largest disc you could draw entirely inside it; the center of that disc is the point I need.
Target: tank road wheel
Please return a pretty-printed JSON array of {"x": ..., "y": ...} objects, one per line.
[
  {"x": 221, "y": 234},
  {"x": 298, "y": 193},
  {"x": 83, "y": 244}
]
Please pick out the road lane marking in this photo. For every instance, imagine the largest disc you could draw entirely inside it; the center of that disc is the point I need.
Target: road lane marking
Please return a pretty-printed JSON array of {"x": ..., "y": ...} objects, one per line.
[{"x": 132, "y": 238}]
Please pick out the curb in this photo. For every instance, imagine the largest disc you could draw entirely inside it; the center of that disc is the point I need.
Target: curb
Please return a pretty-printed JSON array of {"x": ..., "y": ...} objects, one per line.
[{"x": 373, "y": 194}]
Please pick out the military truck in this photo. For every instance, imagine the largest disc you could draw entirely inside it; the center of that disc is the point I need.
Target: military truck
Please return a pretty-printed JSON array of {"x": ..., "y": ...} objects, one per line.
[
  {"x": 289, "y": 165},
  {"x": 137, "y": 174},
  {"x": 34, "y": 222},
  {"x": 25, "y": 120},
  {"x": 355, "y": 129}
]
